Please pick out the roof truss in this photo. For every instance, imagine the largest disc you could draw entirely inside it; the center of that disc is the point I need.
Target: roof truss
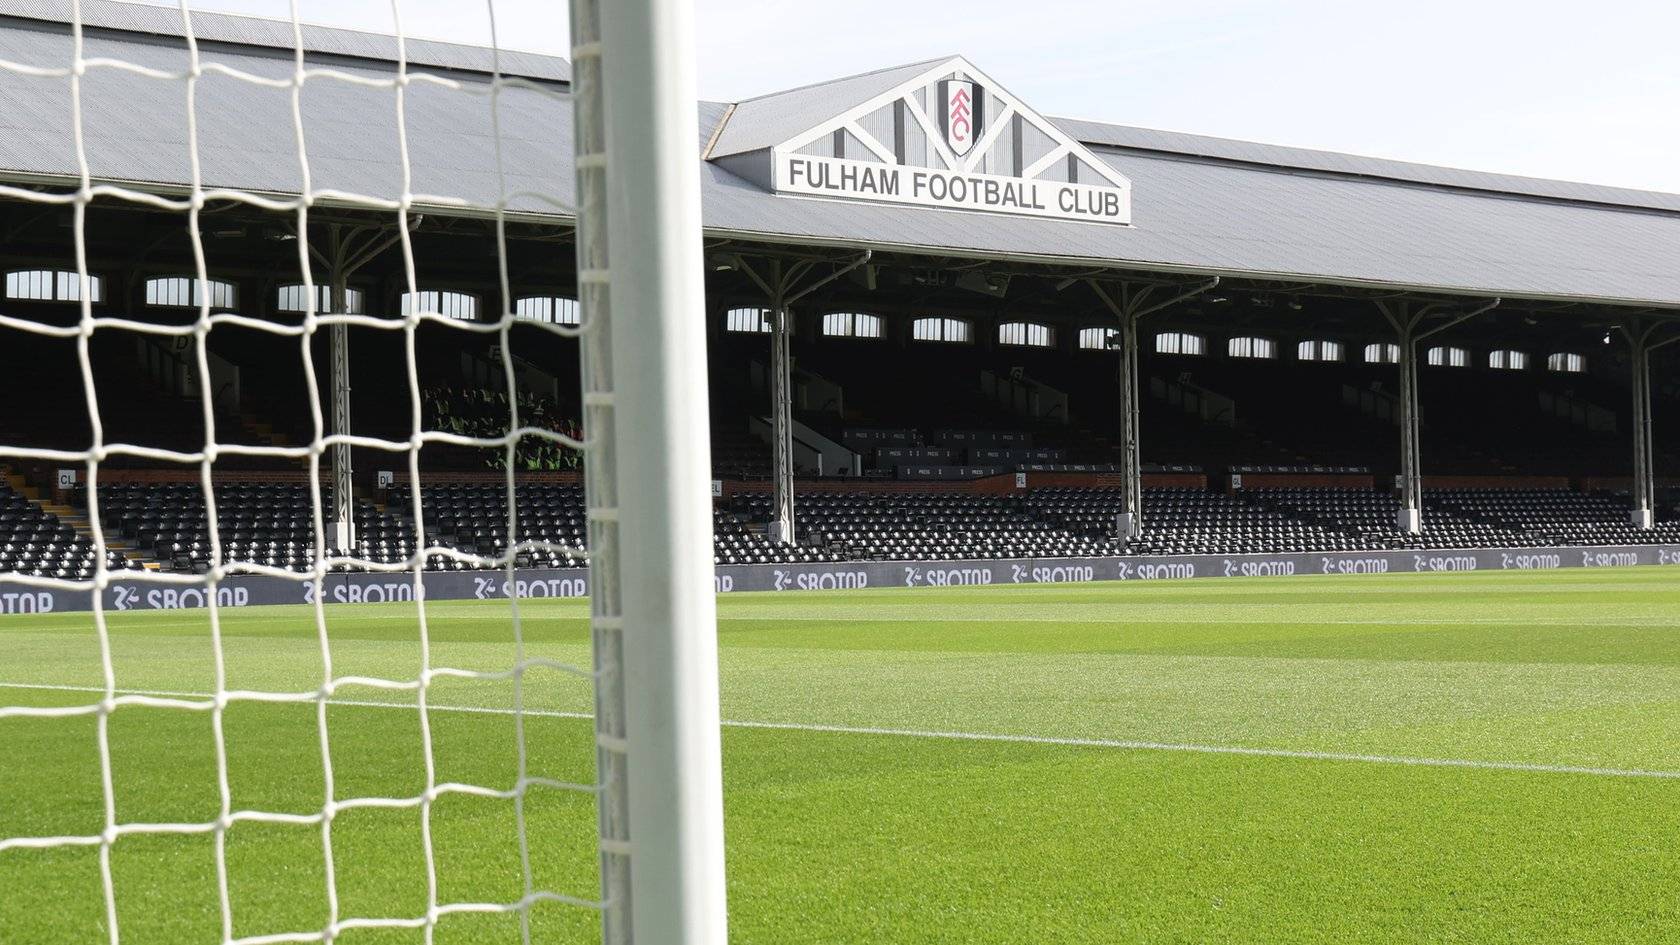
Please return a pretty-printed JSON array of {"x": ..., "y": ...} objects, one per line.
[{"x": 909, "y": 93}]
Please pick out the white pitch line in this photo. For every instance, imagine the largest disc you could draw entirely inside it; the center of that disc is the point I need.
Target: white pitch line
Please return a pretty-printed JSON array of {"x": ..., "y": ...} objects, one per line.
[{"x": 1053, "y": 740}]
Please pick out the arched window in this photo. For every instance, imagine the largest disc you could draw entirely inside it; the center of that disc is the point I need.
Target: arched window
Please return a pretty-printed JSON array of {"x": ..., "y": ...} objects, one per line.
[
  {"x": 1566, "y": 362},
  {"x": 1447, "y": 356},
  {"x": 1508, "y": 360},
  {"x": 449, "y": 303},
  {"x": 851, "y": 325},
  {"x": 938, "y": 328},
  {"x": 1099, "y": 339},
  {"x": 1026, "y": 334},
  {"x": 1262, "y": 348},
  {"x": 1180, "y": 342},
  {"x": 1382, "y": 354},
  {"x": 52, "y": 285},
  {"x": 293, "y": 298},
  {"x": 1319, "y": 351},
  {"x": 552, "y": 309},
  {"x": 189, "y": 292},
  {"x": 755, "y": 321}
]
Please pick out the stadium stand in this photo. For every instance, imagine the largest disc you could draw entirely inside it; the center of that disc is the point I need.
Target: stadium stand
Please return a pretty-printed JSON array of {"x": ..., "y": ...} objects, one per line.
[
  {"x": 484, "y": 413},
  {"x": 1192, "y": 521},
  {"x": 34, "y": 541},
  {"x": 1549, "y": 517},
  {"x": 473, "y": 519},
  {"x": 271, "y": 524},
  {"x": 931, "y": 527},
  {"x": 268, "y": 525}
]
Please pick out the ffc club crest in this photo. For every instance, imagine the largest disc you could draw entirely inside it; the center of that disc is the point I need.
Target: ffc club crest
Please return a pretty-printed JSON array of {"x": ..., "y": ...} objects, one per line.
[{"x": 960, "y": 118}]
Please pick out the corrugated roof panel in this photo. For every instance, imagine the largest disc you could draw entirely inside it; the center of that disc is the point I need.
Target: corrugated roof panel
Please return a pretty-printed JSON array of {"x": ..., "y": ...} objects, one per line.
[
  {"x": 135, "y": 128},
  {"x": 1216, "y": 217},
  {"x": 208, "y": 26},
  {"x": 1191, "y": 214},
  {"x": 1149, "y": 139}
]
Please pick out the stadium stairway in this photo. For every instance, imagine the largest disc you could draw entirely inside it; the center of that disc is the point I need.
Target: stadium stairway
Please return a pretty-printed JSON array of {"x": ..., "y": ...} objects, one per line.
[{"x": 68, "y": 515}]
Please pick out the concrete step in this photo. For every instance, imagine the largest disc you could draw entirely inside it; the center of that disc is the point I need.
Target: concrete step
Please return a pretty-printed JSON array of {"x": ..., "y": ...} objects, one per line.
[{"x": 79, "y": 521}]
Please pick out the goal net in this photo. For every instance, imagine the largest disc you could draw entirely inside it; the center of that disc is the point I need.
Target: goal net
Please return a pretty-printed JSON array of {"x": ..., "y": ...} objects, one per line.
[{"x": 311, "y": 332}]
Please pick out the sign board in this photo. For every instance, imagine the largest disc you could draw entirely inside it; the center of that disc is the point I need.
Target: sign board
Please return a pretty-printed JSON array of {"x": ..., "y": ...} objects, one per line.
[
  {"x": 386, "y": 478},
  {"x": 67, "y": 479},
  {"x": 242, "y": 590},
  {"x": 954, "y": 190},
  {"x": 717, "y": 488},
  {"x": 1236, "y": 480},
  {"x": 948, "y": 137},
  {"x": 1020, "y": 480}
]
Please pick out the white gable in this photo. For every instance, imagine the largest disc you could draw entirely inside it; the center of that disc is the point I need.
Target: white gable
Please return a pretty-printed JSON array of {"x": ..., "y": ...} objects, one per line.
[{"x": 948, "y": 136}]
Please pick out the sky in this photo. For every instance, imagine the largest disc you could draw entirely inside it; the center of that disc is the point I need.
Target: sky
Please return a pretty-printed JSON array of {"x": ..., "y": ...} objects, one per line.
[{"x": 1570, "y": 90}]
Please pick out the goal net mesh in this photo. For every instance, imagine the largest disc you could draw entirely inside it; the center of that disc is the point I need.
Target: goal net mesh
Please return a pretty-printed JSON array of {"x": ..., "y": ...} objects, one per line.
[{"x": 432, "y": 692}]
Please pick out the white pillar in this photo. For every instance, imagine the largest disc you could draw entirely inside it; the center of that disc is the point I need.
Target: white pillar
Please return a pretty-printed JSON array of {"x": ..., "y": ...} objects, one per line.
[{"x": 648, "y": 469}]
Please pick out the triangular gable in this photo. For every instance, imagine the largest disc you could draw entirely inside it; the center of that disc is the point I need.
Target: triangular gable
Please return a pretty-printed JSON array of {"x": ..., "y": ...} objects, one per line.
[
  {"x": 764, "y": 122},
  {"x": 943, "y": 135}
]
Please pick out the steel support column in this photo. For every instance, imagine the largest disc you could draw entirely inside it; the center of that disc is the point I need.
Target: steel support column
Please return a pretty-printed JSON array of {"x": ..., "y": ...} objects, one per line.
[
  {"x": 1640, "y": 335},
  {"x": 781, "y": 424},
  {"x": 778, "y": 284},
  {"x": 1130, "y": 523},
  {"x": 349, "y": 248},
  {"x": 1644, "y": 495},
  {"x": 1128, "y": 309},
  {"x": 343, "y": 497},
  {"x": 1408, "y": 330},
  {"x": 1410, "y": 519}
]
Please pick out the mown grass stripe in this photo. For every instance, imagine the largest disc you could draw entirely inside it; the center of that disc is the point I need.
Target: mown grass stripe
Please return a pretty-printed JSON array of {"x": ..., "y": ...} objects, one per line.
[{"x": 1055, "y": 740}]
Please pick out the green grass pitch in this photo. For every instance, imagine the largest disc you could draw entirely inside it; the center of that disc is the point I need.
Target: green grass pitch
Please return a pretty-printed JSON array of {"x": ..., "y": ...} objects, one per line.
[{"x": 1433, "y": 759}]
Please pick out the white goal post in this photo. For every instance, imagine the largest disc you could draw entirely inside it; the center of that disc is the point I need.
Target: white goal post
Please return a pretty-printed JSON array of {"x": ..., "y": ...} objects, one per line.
[{"x": 654, "y": 610}]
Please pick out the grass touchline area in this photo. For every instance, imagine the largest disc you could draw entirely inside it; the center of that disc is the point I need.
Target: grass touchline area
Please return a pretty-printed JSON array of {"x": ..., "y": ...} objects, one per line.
[{"x": 1123, "y": 744}]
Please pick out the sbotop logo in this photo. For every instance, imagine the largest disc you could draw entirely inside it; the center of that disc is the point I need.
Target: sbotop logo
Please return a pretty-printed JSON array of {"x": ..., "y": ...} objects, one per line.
[
  {"x": 127, "y": 597},
  {"x": 1443, "y": 563},
  {"x": 1331, "y": 565},
  {"x": 1156, "y": 571},
  {"x": 363, "y": 592},
  {"x": 27, "y": 602},
  {"x": 1052, "y": 573},
  {"x": 1608, "y": 559},
  {"x": 1276, "y": 567},
  {"x": 1529, "y": 561},
  {"x": 946, "y": 577},
  {"x": 124, "y": 597},
  {"x": 820, "y": 580},
  {"x": 493, "y": 588}
]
